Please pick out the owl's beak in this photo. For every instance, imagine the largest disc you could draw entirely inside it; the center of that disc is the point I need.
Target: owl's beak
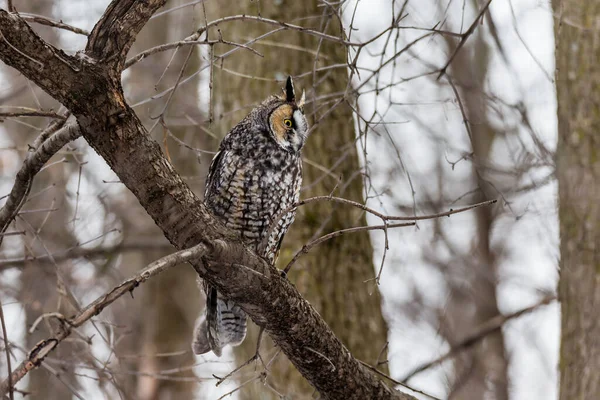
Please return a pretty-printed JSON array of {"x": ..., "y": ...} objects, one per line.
[{"x": 297, "y": 142}]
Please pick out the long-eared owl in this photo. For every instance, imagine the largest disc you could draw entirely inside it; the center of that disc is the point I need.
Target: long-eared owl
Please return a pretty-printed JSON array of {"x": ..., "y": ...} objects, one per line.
[{"x": 253, "y": 179}]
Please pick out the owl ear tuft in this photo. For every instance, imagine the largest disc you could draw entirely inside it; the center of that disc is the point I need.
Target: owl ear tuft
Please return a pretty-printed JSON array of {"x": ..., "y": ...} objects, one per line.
[
  {"x": 289, "y": 90},
  {"x": 302, "y": 101}
]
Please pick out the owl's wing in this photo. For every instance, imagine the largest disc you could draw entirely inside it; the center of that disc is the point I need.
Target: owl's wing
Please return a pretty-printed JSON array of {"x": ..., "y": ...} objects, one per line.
[
  {"x": 213, "y": 171},
  {"x": 297, "y": 184}
]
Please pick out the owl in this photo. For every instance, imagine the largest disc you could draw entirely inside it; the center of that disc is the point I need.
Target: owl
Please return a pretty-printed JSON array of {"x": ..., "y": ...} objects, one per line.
[{"x": 253, "y": 179}]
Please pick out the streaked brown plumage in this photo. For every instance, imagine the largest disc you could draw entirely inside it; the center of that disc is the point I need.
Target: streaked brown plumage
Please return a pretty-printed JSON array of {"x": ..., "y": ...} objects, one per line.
[{"x": 254, "y": 178}]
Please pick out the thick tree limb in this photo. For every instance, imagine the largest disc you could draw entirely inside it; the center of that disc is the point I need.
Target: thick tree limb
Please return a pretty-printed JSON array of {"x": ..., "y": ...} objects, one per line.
[
  {"x": 116, "y": 31},
  {"x": 54, "y": 70},
  {"x": 92, "y": 91}
]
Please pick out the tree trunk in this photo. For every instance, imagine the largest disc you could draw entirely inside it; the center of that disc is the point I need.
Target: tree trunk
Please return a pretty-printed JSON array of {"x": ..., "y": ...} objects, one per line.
[
  {"x": 332, "y": 276},
  {"x": 578, "y": 170},
  {"x": 480, "y": 372}
]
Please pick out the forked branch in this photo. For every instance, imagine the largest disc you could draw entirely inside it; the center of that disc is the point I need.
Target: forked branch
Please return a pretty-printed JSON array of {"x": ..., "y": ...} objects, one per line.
[{"x": 89, "y": 86}]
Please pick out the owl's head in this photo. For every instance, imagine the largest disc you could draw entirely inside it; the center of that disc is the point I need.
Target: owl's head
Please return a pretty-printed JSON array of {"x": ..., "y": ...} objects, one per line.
[{"x": 286, "y": 122}]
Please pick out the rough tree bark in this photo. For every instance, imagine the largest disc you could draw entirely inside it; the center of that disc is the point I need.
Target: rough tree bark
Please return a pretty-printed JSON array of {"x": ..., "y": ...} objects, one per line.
[
  {"x": 332, "y": 277},
  {"x": 578, "y": 171},
  {"x": 89, "y": 86}
]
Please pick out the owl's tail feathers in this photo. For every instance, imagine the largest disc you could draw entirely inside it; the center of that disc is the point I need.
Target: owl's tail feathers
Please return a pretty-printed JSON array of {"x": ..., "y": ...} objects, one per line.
[
  {"x": 200, "y": 344},
  {"x": 223, "y": 324}
]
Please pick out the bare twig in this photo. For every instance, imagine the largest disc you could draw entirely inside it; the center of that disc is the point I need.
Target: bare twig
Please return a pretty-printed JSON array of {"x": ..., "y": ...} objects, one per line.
[
  {"x": 36, "y": 113},
  {"x": 7, "y": 350},
  {"x": 260, "y": 376},
  {"x": 464, "y": 37},
  {"x": 33, "y": 163},
  {"x": 41, "y": 350},
  {"x": 376, "y": 213},
  {"x": 15, "y": 233},
  {"x": 81, "y": 252},
  {"x": 280, "y": 24},
  {"x": 175, "y": 8},
  {"x": 186, "y": 42},
  {"x": 485, "y": 329},
  {"x": 386, "y": 376},
  {"x": 306, "y": 248},
  {"x": 39, "y": 19},
  {"x": 235, "y": 370}
]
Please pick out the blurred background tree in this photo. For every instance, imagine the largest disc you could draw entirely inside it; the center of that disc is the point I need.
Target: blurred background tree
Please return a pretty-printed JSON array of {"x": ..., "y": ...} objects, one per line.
[
  {"x": 578, "y": 171},
  {"x": 48, "y": 217}
]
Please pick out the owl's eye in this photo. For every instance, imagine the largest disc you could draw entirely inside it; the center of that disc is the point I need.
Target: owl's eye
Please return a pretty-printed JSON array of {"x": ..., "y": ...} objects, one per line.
[{"x": 288, "y": 122}]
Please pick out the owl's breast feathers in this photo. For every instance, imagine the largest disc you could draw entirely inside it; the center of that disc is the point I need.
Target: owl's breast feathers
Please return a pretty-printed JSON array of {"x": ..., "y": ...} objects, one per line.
[{"x": 248, "y": 188}]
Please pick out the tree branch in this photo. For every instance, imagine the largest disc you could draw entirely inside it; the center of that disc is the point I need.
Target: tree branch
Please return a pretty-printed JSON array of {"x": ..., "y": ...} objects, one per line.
[
  {"x": 94, "y": 96},
  {"x": 37, "y": 355},
  {"x": 43, "y": 149},
  {"x": 50, "y": 68},
  {"x": 31, "y": 113},
  {"x": 479, "y": 334},
  {"x": 463, "y": 38},
  {"x": 39, "y": 19},
  {"x": 116, "y": 31},
  {"x": 82, "y": 252},
  {"x": 7, "y": 350}
]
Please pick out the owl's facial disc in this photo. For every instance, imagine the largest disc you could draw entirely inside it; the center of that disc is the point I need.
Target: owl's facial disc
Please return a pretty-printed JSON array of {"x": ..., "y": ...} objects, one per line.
[{"x": 288, "y": 127}]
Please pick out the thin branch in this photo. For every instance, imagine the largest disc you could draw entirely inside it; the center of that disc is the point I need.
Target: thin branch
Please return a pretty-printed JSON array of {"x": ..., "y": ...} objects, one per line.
[
  {"x": 386, "y": 376},
  {"x": 35, "y": 160},
  {"x": 37, "y": 355},
  {"x": 464, "y": 37},
  {"x": 490, "y": 326},
  {"x": 7, "y": 350},
  {"x": 15, "y": 233},
  {"x": 463, "y": 112},
  {"x": 280, "y": 24},
  {"x": 186, "y": 42},
  {"x": 237, "y": 369},
  {"x": 260, "y": 376},
  {"x": 39, "y": 19},
  {"x": 37, "y": 113},
  {"x": 80, "y": 252},
  {"x": 307, "y": 247},
  {"x": 376, "y": 213},
  {"x": 178, "y": 7}
]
